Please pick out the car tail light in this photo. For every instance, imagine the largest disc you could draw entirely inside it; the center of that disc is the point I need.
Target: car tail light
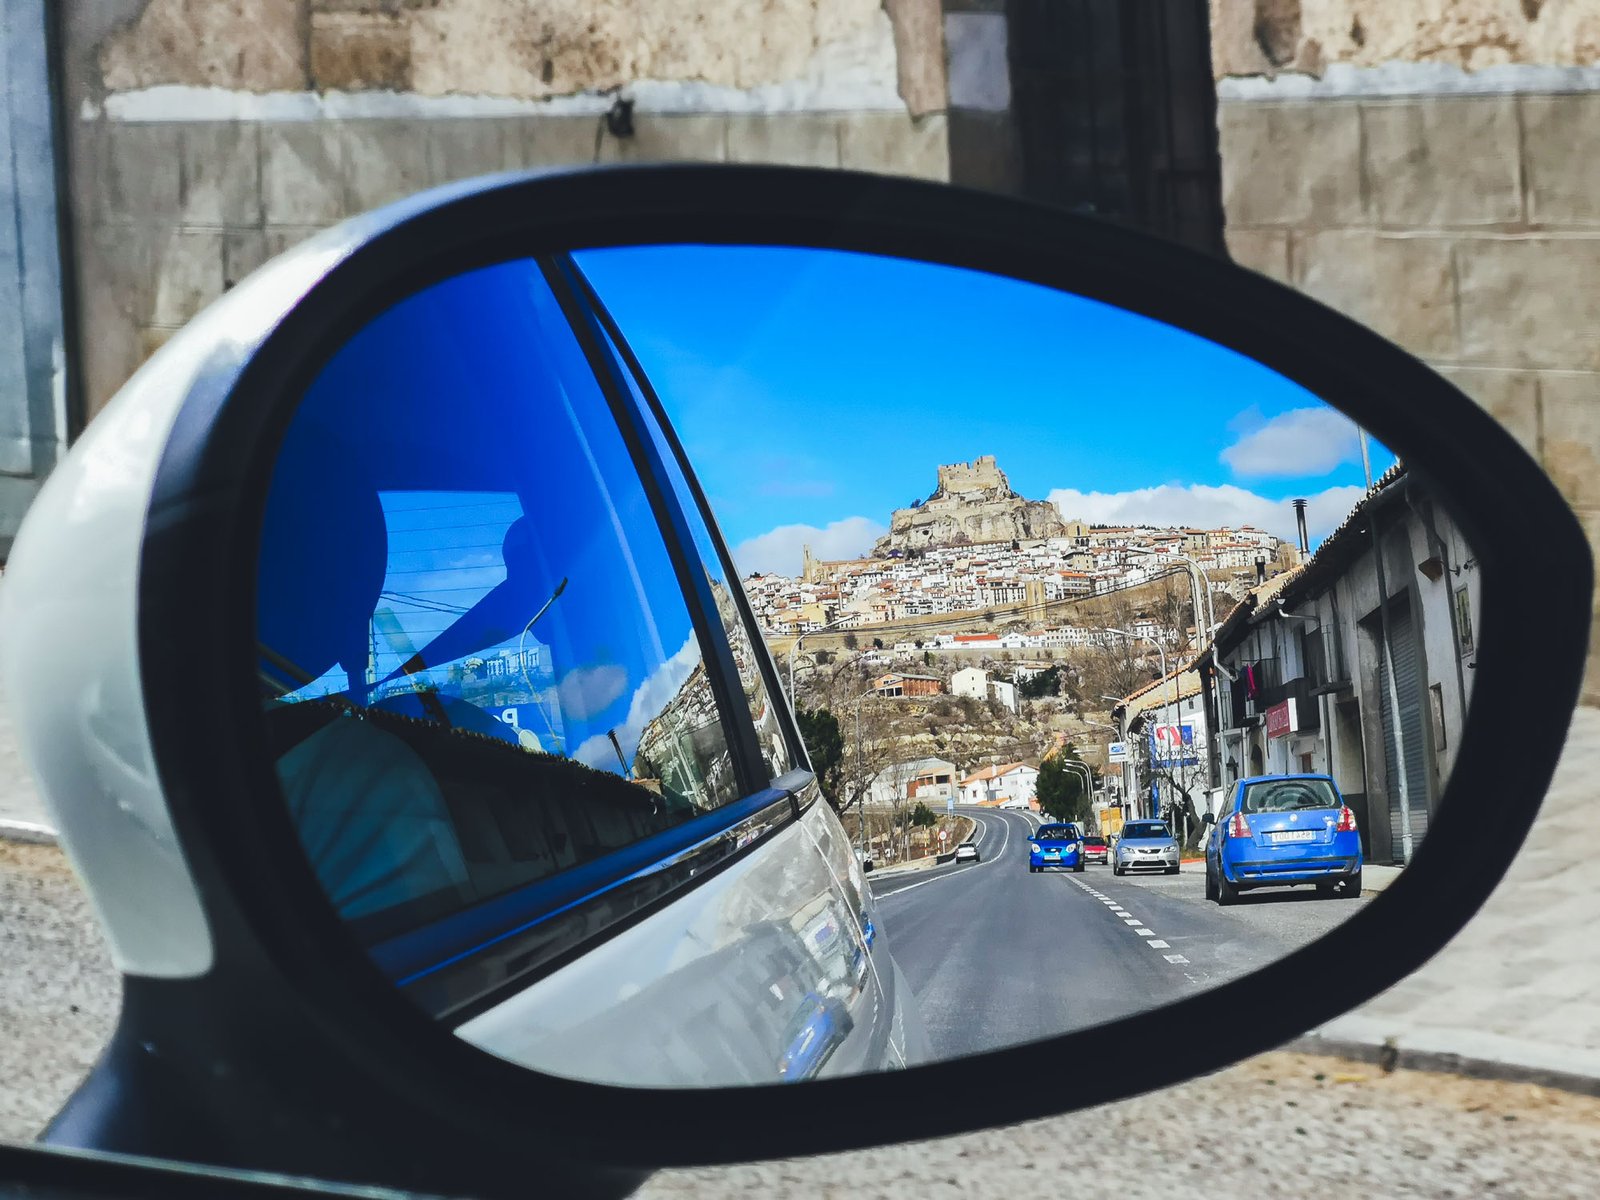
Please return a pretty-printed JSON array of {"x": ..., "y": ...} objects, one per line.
[
  {"x": 1238, "y": 826},
  {"x": 1347, "y": 821}
]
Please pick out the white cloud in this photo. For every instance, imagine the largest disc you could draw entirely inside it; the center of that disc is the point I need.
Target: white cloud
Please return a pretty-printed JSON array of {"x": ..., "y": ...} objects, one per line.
[
  {"x": 588, "y": 691},
  {"x": 653, "y": 695},
  {"x": 1207, "y": 507},
  {"x": 1302, "y": 441},
  {"x": 779, "y": 549}
]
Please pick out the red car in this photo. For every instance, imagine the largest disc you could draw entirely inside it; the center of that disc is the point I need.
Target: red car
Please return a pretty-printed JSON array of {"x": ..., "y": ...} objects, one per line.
[{"x": 1096, "y": 849}]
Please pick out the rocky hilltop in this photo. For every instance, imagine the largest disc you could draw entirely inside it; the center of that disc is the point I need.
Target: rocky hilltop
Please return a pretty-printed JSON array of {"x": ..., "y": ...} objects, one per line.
[{"x": 973, "y": 503}]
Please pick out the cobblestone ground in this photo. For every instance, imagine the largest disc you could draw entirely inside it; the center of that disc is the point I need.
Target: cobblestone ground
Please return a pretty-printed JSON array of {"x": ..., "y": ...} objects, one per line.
[
  {"x": 58, "y": 989},
  {"x": 1277, "y": 1126}
]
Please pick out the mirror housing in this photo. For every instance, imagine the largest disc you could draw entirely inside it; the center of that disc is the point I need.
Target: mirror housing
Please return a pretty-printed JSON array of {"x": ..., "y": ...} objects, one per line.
[{"x": 254, "y": 994}]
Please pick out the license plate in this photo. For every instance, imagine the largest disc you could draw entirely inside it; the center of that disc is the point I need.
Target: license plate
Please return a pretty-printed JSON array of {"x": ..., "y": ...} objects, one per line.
[{"x": 1293, "y": 835}]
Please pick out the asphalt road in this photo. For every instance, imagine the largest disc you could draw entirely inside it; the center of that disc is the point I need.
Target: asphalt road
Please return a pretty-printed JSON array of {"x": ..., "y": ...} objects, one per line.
[{"x": 997, "y": 955}]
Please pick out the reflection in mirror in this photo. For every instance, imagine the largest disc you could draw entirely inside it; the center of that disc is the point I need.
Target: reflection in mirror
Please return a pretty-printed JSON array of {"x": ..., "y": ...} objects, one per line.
[{"x": 1122, "y": 664}]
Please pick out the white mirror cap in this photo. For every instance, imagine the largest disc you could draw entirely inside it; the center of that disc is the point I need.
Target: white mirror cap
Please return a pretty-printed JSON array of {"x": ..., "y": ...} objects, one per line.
[{"x": 69, "y": 634}]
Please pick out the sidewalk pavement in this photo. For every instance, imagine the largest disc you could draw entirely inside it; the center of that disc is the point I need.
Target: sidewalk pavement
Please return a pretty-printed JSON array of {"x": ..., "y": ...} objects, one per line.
[
  {"x": 1515, "y": 996},
  {"x": 22, "y": 815}
]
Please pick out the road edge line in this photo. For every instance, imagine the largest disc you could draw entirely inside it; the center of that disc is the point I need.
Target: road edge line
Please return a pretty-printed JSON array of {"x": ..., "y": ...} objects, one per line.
[
  {"x": 28, "y": 833},
  {"x": 1391, "y": 1054}
]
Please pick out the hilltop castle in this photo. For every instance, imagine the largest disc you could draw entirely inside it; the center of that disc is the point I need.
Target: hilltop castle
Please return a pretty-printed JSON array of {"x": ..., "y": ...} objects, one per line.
[{"x": 973, "y": 502}]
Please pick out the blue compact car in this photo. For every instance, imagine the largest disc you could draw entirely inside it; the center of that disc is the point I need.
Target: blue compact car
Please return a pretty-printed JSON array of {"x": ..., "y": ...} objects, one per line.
[
  {"x": 1279, "y": 830},
  {"x": 1056, "y": 846}
]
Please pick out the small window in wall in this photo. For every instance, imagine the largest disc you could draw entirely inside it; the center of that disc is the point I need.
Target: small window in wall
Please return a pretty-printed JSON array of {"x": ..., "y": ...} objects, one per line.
[
  {"x": 1436, "y": 709},
  {"x": 1464, "y": 642}
]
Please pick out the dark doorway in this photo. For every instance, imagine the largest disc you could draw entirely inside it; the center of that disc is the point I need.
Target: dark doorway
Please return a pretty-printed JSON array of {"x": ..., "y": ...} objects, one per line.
[{"x": 1115, "y": 112}]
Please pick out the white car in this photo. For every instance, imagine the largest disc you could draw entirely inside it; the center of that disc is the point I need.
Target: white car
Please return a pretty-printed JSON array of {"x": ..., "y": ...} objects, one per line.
[{"x": 967, "y": 852}]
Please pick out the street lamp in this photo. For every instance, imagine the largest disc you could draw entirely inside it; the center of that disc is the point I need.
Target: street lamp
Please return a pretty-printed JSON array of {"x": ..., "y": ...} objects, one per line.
[
  {"x": 861, "y": 770},
  {"x": 1210, "y": 616},
  {"x": 1159, "y": 645},
  {"x": 794, "y": 650},
  {"x": 1076, "y": 768}
]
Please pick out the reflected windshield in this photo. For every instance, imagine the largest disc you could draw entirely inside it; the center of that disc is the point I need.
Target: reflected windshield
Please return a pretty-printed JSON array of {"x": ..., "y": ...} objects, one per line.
[{"x": 1289, "y": 795}]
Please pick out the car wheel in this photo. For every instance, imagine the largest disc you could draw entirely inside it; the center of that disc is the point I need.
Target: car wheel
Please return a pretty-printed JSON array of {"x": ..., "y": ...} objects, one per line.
[
  {"x": 1079, "y": 867},
  {"x": 1226, "y": 892},
  {"x": 1173, "y": 870},
  {"x": 1116, "y": 870},
  {"x": 1211, "y": 884}
]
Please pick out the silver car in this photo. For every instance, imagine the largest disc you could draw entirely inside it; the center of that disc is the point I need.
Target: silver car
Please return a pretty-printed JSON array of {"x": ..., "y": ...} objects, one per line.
[{"x": 1145, "y": 846}]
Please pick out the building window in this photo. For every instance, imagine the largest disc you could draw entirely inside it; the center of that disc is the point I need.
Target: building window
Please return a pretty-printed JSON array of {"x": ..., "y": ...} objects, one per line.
[{"x": 1464, "y": 621}]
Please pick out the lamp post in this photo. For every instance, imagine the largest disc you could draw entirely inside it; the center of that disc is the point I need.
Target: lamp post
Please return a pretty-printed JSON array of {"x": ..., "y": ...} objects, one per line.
[
  {"x": 1159, "y": 645},
  {"x": 1077, "y": 768},
  {"x": 794, "y": 651},
  {"x": 861, "y": 800},
  {"x": 1210, "y": 614}
]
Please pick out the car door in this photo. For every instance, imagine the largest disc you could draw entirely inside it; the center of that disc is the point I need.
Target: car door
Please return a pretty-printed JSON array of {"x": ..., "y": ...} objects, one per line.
[
  {"x": 600, "y": 853},
  {"x": 1213, "y": 844}
]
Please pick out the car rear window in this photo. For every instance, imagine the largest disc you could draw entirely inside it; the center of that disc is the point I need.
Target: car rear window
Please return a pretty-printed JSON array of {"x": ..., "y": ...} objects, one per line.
[{"x": 1289, "y": 795}]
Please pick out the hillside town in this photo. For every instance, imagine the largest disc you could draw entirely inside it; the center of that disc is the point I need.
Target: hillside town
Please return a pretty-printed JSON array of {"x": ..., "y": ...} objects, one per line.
[
  {"x": 971, "y": 549},
  {"x": 1169, "y": 662}
]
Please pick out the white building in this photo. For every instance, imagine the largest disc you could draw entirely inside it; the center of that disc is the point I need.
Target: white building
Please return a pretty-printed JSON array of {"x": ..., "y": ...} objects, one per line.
[
  {"x": 970, "y": 681},
  {"x": 930, "y": 780},
  {"x": 1000, "y": 784}
]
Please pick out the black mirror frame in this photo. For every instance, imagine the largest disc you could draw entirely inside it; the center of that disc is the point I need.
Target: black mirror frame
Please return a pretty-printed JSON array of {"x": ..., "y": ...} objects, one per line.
[{"x": 492, "y": 1123}]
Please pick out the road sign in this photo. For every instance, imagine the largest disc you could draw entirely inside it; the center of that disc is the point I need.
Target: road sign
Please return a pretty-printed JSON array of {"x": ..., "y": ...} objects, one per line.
[
  {"x": 949, "y": 804},
  {"x": 1117, "y": 752},
  {"x": 944, "y": 835},
  {"x": 1173, "y": 746}
]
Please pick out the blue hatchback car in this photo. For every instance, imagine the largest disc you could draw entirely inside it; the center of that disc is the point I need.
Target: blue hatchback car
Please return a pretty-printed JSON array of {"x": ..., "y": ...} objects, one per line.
[
  {"x": 1056, "y": 846},
  {"x": 1278, "y": 830}
]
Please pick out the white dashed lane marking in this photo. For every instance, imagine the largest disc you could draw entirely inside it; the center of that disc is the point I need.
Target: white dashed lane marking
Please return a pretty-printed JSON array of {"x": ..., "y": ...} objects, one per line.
[{"x": 1134, "y": 923}]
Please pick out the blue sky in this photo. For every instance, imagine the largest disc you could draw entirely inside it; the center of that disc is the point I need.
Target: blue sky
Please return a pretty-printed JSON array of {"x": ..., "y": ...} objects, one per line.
[{"x": 816, "y": 391}]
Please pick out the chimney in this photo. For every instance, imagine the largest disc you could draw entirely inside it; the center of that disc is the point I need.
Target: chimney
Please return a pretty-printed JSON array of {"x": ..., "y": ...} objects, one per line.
[
  {"x": 1300, "y": 520},
  {"x": 1261, "y": 569}
]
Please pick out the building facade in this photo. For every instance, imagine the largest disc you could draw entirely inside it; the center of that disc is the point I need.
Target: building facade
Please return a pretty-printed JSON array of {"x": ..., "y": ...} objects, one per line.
[
  {"x": 1359, "y": 665},
  {"x": 1003, "y": 783}
]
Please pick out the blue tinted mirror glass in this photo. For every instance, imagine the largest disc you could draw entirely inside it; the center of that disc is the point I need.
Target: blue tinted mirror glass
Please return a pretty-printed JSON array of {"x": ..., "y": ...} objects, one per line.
[{"x": 692, "y": 666}]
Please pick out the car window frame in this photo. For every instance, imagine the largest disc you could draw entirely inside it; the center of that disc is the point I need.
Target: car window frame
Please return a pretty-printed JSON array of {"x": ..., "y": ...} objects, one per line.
[
  {"x": 442, "y": 964},
  {"x": 798, "y": 753}
]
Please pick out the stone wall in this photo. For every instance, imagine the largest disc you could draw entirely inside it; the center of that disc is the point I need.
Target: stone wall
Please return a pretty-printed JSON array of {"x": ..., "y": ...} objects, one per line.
[
  {"x": 1434, "y": 171},
  {"x": 209, "y": 135}
]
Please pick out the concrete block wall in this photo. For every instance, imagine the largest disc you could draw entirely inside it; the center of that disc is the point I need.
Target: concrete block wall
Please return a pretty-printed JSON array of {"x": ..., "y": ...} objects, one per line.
[
  {"x": 174, "y": 213},
  {"x": 1466, "y": 227}
]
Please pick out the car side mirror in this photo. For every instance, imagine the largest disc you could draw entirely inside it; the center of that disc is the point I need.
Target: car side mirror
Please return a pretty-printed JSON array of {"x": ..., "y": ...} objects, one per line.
[{"x": 399, "y": 547}]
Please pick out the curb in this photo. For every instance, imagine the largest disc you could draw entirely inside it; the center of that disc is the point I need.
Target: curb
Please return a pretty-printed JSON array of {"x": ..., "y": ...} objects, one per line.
[
  {"x": 28, "y": 833},
  {"x": 1391, "y": 1054}
]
